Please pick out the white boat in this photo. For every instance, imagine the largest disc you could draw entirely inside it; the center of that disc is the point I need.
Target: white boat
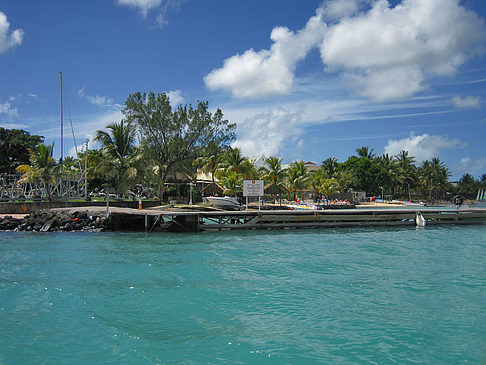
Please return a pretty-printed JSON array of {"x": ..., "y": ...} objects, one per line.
[
  {"x": 302, "y": 207},
  {"x": 420, "y": 220},
  {"x": 226, "y": 202}
]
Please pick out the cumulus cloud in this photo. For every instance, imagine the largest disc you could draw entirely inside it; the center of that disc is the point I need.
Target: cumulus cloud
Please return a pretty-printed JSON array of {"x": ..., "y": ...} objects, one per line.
[
  {"x": 337, "y": 9},
  {"x": 101, "y": 101},
  {"x": 263, "y": 133},
  {"x": 388, "y": 52},
  {"x": 175, "y": 98},
  {"x": 423, "y": 147},
  {"x": 6, "y": 108},
  {"x": 468, "y": 165},
  {"x": 256, "y": 74},
  {"x": 382, "y": 52},
  {"x": 8, "y": 39},
  {"x": 143, "y": 5},
  {"x": 466, "y": 102},
  {"x": 162, "y": 7}
]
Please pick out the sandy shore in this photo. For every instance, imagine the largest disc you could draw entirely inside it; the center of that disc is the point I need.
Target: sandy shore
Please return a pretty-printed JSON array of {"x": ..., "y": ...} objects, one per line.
[
  {"x": 378, "y": 205},
  {"x": 18, "y": 216}
]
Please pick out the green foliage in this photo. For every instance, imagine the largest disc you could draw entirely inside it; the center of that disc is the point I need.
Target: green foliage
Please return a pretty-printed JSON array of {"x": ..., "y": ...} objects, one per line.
[
  {"x": 273, "y": 172},
  {"x": 118, "y": 163},
  {"x": 468, "y": 186},
  {"x": 172, "y": 138},
  {"x": 297, "y": 176},
  {"x": 42, "y": 167},
  {"x": 14, "y": 148}
]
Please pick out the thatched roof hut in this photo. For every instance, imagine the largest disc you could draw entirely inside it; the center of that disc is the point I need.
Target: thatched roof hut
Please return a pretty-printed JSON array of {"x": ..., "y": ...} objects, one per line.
[
  {"x": 275, "y": 188},
  {"x": 211, "y": 189}
]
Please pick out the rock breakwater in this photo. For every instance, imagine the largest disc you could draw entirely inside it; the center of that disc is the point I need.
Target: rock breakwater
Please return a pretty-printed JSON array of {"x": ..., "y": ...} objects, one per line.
[{"x": 54, "y": 221}]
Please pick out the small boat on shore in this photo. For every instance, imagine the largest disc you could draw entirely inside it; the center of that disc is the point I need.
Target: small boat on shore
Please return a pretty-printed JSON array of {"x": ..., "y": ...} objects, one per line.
[
  {"x": 225, "y": 202},
  {"x": 302, "y": 207}
]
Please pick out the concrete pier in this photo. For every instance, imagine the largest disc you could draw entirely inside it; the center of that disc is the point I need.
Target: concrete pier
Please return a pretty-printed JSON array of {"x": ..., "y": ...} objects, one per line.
[{"x": 194, "y": 220}]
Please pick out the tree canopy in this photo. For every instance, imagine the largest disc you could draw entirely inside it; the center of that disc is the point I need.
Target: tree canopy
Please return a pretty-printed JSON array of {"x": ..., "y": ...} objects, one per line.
[
  {"x": 14, "y": 148},
  {"x": 170, "y": 138}
]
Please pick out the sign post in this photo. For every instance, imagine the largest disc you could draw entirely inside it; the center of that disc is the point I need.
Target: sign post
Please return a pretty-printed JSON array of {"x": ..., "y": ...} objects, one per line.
[{"x": 253, "y": 188}]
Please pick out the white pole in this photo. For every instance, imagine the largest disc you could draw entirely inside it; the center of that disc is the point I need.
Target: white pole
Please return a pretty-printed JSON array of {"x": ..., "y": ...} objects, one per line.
[
  {"x": 86, "y": 170},
  {"x": 190, "y": 193}
]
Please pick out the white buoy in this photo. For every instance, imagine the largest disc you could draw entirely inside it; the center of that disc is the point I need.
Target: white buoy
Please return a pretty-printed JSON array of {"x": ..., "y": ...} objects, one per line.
[{"x": 420, "y": 220}]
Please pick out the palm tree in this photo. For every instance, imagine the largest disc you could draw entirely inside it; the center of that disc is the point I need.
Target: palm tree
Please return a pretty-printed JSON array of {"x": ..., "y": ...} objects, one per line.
[
  {"x": 330, "y": 165},
  {"x": 274, "y": 172},
  {"x": 440, "y": 176},
  {"x": 344, "y": 180},
  {"x": 407, "y": 170},
  {"x": 366, "y": 153},
  {"x": 316, "y": 179},
  {"x": 208, "y": 165},
  {"x": 425, "y": 178},
  {"x": 234, "y": 161},
  {"x": 231, "y": 182},
  {"x": 297, "y": 176},
  {"x": 42, "y": 168},
  {"x": 390, "y": 164},
  {"x": 330, "y": 187},
  {"x": 251, "y": 171},
  {"x": 120, "y": 154}
]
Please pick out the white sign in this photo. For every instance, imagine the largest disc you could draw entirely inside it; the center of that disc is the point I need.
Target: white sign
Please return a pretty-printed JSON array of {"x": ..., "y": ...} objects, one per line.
[{"x": 253, "y": 187}]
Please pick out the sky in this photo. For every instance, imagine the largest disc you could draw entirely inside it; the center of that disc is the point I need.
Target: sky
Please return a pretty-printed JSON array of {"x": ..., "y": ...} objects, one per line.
[{"x": 303, "y": 80}]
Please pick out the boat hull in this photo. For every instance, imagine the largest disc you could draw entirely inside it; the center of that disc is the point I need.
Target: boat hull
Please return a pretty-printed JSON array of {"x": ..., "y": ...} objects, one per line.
[{"x": 226, "y": 203}]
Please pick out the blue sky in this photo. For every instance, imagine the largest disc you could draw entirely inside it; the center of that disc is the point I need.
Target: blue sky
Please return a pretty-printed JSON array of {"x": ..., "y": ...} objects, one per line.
[{"x": 302, "y": 80}]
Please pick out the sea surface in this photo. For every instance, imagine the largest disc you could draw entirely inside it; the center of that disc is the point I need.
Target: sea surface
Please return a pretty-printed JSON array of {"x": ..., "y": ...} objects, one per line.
[{"x": 343, "y": 296}]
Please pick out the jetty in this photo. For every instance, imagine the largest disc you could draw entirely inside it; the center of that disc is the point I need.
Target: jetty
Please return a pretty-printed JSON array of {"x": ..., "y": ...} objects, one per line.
[{"x": 194, "y": 220}]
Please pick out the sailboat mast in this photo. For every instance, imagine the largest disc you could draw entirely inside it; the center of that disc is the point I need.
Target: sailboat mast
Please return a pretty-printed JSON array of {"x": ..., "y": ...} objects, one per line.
[{"x": 60, "y": 80}]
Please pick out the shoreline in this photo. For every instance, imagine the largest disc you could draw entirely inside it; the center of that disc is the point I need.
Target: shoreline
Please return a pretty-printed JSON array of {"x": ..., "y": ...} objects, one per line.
[{"x": 192, "y": 219}]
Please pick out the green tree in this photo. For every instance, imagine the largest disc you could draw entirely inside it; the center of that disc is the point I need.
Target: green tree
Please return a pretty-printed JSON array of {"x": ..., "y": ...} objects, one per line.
[
  {"x": 329, "y": 187},
  {"x": 273, "y": 170},
  {"x": 407, "y": 171},
  {"x": 468, "y": 186},
  {"x": 234, "y": 162},
  {"x": 208, "y": 165},
  {"x": 15, "y": 146},
  {"x": 316, "y": 179},
  {"x": 120, "y": 154},
  {"x": 297, "y": 176},
  {"x": 231, "y": 182},
  {"x": 330, "y": 165},
  {"x": 433, "y": 177},
  {"x": 366, "y": 153},
  {"x": 42, "y": 168},
  {"x": 172, "y": 138}
]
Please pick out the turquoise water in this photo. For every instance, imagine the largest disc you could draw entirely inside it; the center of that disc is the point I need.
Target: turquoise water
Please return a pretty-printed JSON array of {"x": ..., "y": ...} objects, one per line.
[{"x": 347, "y": 296}]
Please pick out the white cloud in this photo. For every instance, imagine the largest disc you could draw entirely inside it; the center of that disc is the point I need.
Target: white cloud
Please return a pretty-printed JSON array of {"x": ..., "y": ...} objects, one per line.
[
  {"x": 336, "y": 9},
  {"x": 101, "y": 101},
  {"x": 466, "y": 102},
  {"x": 264, "y": 134},
  {"x": 390, "y": 51},
  {"x": 468, "y": 165},
  {"x": 175, "y": 98},
  {"x": 423, "y": 147},
  {"x": 8, "y": 40},
  {"x": 268, "y": 72},
  {"x": 382, "y": 52},
  {"x": 162, "y": 8},
  {"x": 6, "y": 108},
  {"x": 143, "y": 5},
  {"x": 14, "y": 125}
]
